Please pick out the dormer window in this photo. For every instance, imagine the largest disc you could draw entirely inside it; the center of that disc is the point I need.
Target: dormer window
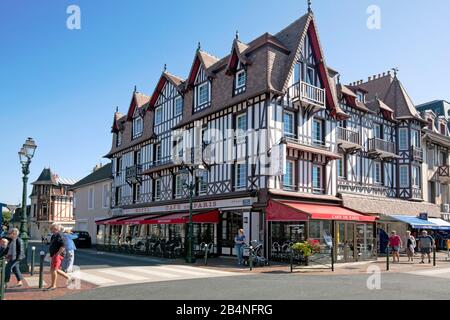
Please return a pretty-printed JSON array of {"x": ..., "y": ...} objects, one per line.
[
  {"x": 138, "y": 126},
  {"x": 178, "y": 106},
  {"x": 240, "y": 79},
  {"x": 158, "y": 116},
  {"x": 119, "y": 138},
  {"x": 360, "y": 97},
  {"x": 202, "y": 91},
  {"x": 202, "y": 94}
]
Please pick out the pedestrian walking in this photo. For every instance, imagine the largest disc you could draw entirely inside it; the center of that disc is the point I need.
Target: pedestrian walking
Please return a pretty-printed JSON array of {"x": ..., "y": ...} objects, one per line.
[
  {"x": 69, "y": 252},
  {"x": 426, "y": 244},
  {"x": 410, "y": 246},
  {"x": 16, "y": 253},
  {"x": 395, "y": 242},
  {"x": 56, "y": 251},
  {"x": 239, "y": 241}
]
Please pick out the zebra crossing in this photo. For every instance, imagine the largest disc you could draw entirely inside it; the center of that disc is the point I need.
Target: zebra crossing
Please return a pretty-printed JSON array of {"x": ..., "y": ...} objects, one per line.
[
  {"x": 435, "y": 273},
  {"x": 113, "y": 276}
]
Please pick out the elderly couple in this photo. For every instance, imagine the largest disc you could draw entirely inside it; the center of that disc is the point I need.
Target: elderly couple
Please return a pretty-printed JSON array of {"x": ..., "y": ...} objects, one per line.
[
  {"x": 62, "y": 254},
  {"x": 425, "y": 241}
]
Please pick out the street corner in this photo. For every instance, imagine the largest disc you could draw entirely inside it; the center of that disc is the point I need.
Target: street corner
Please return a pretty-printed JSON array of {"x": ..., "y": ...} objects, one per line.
[{"x": 31, "y": 291}]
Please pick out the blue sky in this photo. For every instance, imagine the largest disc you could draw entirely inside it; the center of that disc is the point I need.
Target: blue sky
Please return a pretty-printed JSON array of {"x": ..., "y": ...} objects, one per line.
[{"x": 61, "y": 86}]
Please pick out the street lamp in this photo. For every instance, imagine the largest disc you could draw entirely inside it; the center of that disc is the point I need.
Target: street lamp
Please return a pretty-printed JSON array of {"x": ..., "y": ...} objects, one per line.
[
  {"x": 26, "y": 153},
  {"x": 190, "y": 186}
]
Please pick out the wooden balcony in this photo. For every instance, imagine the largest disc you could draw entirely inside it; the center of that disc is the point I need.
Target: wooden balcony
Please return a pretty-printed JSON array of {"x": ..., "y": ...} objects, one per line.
[
  {"x": 444, "y": 174},
  {"x": 416, "y": 154},
  {"x": 348, "y": 140},
  {"x": 383, "y": 149},
  {"x": 315, "y": 147},
  {"x": 313, "y": 97},
  {"x": 133, "y": 174}
]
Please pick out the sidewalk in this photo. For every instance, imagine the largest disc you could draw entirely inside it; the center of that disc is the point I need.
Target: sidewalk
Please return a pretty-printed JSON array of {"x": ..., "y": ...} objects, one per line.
[{"x": 31, "y": 291}]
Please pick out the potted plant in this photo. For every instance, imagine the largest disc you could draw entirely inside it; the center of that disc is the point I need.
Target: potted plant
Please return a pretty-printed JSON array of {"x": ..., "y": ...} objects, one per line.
[{"x": 306, "y": 249}]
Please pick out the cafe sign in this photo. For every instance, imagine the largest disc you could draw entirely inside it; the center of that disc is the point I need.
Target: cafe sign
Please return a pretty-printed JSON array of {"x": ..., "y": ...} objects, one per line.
[{"x": 240, "y": 203}]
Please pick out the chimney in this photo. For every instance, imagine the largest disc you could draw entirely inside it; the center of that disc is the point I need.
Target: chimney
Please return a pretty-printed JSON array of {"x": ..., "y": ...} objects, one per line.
[
  {"x": 370, "y": 78},
  {"x": 97, "y": 167}
]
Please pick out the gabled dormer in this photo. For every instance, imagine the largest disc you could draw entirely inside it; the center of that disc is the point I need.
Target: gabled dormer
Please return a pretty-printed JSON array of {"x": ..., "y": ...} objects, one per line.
[
  {"x": 136, "y": 113},
  {"x": 167, "y": 99},
  {"x": 237, "y": 66},
  {"x": 200, "y": 80}
]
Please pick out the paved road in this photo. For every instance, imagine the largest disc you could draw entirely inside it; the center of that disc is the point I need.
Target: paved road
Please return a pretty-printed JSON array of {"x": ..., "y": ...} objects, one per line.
[{"x": 122, "y": 277}]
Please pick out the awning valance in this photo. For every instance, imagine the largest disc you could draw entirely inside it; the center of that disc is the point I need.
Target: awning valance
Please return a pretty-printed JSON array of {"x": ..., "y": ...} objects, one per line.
[
  {"x": 416, "y": 223},
  {"x": 182, "y": 218},
  {"x": 298, "y": 211},
  {"x": 443, "y": 225},
  {"x": 110, "y": 221}
]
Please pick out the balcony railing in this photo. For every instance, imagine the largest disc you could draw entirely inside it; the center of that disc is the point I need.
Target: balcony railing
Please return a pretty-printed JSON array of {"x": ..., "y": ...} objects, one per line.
[
  {"x": 348, "y": 136},
  {"x": 308, "y": 93},
  {"x": 383, "y": 146},
  {"x": 416, "y": 154},
  {"x": 133, "y": 173},
  {"x": 307, "y": 142}
]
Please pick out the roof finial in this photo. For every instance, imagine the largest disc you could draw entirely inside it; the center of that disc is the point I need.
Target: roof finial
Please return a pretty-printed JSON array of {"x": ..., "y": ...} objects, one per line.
[
  {"x": 237, "y": 34},
  {"x": 199, "y": 47},
  {"x": 117, "y": 108},
  {"x": 135, "y": 88},
  {"x": 395, "y": 72},
  {"x": 338, "y": 78},
  {"x": 309, "y": 6},
  {"x": 165, "y": 67}
]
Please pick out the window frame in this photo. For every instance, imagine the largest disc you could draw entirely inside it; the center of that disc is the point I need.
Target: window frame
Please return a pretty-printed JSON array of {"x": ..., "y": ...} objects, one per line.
[
  {"x": 179, "y": 187},
  {"x": 415, "y": 177},
  {"x": 91, "y": 198},
  {"x": 157, "y": 191},
  {"x": 321, "y": 189},
  {"x": 198, "y": 93},
  {"x": 403, "y": 138},
  {"x": 237, "y": 186},
  {"x": 292, "y": 121},
  {"x": 177, "y": 112},
  {"x": 377, "y": 179},
  {"x": 403, "y": 183},
  {"x": 158, "y": 112},
  {"x": 237, "y": 85},
  {"x": 321, "y": 141},
  {"x": 106, "y": 196},
  {"x": 136, "y": 120},
  {"x": 290, "y": 175}
]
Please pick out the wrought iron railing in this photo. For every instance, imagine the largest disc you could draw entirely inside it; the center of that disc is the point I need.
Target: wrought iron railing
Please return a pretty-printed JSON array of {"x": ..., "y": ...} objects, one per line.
[
  {"x": 308, "y": 142},
  {"x": 347, "y": 135},
  {"x": 416, "y": 154},
  {"x": 376, "y": 144},
  {"x": 307, "y": 92},
  {"x": 133, "y": 172}
]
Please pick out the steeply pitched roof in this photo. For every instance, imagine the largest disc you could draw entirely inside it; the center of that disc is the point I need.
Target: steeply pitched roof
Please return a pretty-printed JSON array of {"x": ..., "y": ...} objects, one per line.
[
  {"x": 390, "y": 90},
  {"x": 47, "y": 177},
  {"x": 138, "y": 100},
  {"x": 165, "y": 76},
  {"x": 101, "y": 174}
]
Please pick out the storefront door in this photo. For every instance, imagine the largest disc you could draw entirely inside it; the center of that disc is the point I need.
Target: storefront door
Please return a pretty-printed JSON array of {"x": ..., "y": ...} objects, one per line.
[{"x": 345, "y": 241}]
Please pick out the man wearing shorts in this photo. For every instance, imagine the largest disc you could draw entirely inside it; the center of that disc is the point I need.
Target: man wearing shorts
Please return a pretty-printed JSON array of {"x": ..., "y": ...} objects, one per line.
[
  {"x": 395, "y": 243},
  {"x": 426, "y": 244},
  {"x": 56, "y": 250}
]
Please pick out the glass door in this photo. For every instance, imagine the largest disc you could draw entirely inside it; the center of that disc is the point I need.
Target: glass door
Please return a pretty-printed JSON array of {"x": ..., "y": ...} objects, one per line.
[{"x": 345, "y": 241}]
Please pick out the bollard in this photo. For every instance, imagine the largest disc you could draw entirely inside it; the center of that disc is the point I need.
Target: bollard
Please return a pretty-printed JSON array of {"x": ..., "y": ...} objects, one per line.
[
  {"x": 250, "y": 261},
  {"x": 434, "y": 256},
  {"x": 2, "y": 278},
  {"x": 332, "y": 258},
  {"x": 387, "y": 258},
  {"x": 33, "y": 252},
  {"x": 41, "y": 268},
  {"x": 206, "y": 254},
  {"x": 292, "y": 260}
]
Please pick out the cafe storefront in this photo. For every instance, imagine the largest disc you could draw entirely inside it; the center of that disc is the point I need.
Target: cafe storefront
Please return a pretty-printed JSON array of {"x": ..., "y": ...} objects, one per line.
[
  {"x": 351, "y": 233},
  {"x": 165, "y": 233}
]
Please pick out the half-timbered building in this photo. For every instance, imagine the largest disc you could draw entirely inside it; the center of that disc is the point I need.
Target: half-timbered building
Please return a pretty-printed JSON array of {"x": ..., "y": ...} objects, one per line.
[{"x": 261, "y": 122}]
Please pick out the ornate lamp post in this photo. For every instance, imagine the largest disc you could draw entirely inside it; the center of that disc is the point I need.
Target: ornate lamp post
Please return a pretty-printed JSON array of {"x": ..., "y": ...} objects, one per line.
[
  {"x": 26, "y": 153},
  {"x": 190, "y": 186}
]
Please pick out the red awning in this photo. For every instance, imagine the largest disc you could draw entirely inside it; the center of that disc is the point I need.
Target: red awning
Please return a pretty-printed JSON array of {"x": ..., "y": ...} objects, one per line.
[
  {"x": 182, "y": 218},
  {"x": 110, "y": 221},
  {"x": 136, "y": 219},
  {"x": 297, "y": 211}
]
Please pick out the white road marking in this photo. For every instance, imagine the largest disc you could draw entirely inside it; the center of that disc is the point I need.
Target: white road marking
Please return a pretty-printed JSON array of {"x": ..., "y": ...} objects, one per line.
[
  {"x": 148, "y": 274},
  {"x": 122, "y": 274},
  {"x": 97, "y": 280}
]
